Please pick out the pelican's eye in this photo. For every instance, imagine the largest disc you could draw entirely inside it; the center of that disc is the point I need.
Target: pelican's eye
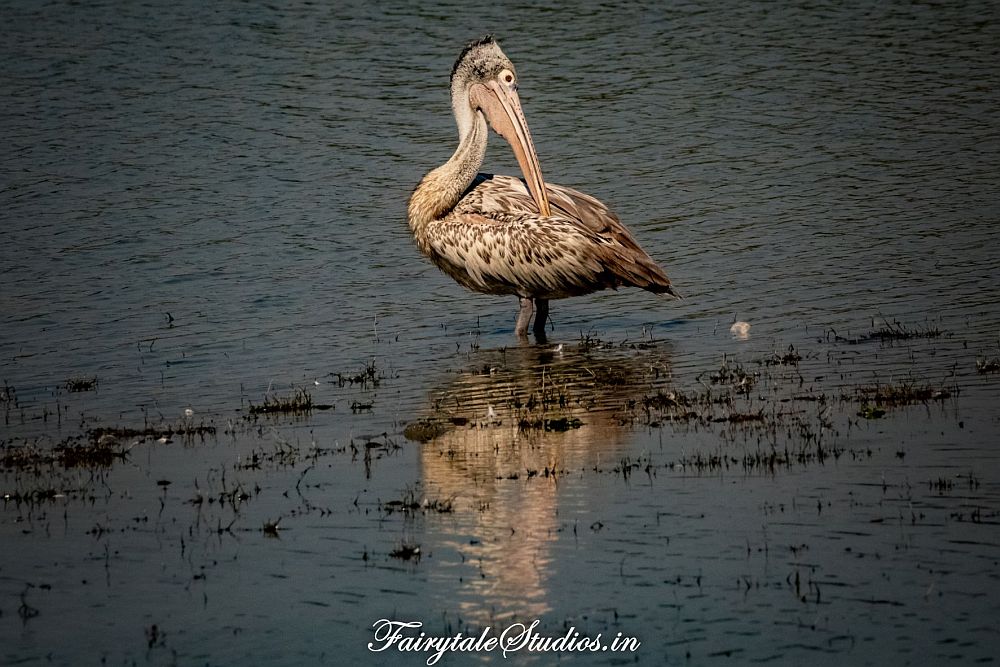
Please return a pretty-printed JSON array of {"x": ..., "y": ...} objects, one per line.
[{"x": 507, "y": 77}]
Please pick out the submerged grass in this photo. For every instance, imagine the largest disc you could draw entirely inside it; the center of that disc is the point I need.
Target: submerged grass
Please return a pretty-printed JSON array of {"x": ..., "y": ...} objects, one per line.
[
  {"x": 900, "y": 394},
  {"x": 790, "y": 358},
  {"x": 733, "y": 375},
  {"x": 298, "y": 403},
  {"x": 897, "y": 331},
  {"x": 369, "y": 376},
  {"x": 101, "y": 454},
  {"x": 411, "y": 503},
  {"x": 888, "y": 332},
  {"x": 99, "y": 447},
  {"x": 149, "y": 432}
]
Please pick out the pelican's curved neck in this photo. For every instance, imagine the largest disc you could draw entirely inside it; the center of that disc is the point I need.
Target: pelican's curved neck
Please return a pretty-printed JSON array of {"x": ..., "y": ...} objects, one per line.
[{"x": 441, "y": 189}]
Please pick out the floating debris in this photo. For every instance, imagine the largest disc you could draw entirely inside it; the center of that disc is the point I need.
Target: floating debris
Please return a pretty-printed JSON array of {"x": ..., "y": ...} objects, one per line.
[{"x": 740, "y": 330}]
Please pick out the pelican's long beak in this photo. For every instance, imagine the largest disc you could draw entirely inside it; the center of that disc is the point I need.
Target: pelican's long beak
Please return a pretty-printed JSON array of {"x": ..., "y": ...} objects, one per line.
[{"x": 502, "y": 108}]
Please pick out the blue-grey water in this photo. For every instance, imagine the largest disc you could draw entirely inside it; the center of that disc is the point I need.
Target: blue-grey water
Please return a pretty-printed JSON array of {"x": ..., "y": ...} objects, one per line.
[{"x": 203, "y": 205}]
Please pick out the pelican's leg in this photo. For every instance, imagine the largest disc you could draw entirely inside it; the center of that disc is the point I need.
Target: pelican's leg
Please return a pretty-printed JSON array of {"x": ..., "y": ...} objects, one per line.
[
  {"x": 541, "y": 317},
  {"x": 523, "y": 317}
]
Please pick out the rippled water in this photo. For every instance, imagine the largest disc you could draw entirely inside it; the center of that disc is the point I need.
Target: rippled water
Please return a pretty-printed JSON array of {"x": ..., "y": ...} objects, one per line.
[{"x": 206, "y": 203}]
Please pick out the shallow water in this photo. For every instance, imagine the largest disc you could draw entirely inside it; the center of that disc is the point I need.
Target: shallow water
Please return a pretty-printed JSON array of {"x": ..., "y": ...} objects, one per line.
[{"x": 206, "y": 205}]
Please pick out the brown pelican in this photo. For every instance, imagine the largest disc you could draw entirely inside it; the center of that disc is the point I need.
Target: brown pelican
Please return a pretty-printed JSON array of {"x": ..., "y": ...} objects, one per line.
[{"x": 504, "y": 235}]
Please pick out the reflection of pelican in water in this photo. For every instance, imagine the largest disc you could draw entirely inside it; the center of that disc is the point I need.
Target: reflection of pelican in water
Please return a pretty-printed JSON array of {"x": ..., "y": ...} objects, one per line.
[
  {"x": 502, "y": 235},
  {"x": 516, "y": 426}
]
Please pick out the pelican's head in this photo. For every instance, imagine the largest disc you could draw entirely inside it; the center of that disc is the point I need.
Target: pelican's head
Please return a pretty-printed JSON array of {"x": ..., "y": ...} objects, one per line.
[{"x": 484, "y": 81}]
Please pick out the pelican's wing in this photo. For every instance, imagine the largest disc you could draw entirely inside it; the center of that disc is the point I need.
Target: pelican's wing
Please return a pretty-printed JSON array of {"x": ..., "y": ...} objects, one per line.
[
  {"x": 501, "y": 195},
  {"x": 495, "y": 241}
]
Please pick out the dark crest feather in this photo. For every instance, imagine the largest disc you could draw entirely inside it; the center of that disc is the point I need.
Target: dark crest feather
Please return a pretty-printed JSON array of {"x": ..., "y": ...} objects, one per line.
[{"x": 482, "y": 41}]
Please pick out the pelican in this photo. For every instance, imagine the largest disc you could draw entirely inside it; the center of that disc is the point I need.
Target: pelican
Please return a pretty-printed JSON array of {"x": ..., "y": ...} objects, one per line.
[{"x": 505, "y": 235}]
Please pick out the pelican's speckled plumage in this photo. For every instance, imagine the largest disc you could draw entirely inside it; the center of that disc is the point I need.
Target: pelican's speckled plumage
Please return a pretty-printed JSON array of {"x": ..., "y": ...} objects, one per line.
[{"x": 504, "y": 235}]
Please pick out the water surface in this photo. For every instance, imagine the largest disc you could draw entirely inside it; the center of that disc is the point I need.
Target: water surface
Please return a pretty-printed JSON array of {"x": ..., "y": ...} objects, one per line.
[{"x": 204, "y": 205}]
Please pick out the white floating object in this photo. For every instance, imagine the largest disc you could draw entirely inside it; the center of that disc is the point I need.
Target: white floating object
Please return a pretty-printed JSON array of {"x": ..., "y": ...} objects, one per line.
[
  {"x": 740, "y": 330},
  {"x": 188, "y": 412}
]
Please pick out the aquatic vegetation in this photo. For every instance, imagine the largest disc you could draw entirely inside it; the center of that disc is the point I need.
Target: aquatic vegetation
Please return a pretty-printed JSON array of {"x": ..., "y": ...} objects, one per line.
[
  {"x": 734, "y": 375},
  {"x": 299, "y": 402},
  {"x": 369, "y": 376},
  {"x": 896, "y": 331},
  {"x": 589, "y": 341},
  {"x": 901, "y": 394},
  {"x": 99, "y": 447},
  {"x": 870, "y": 411},
  {"x": 77, "y": 384},
  {"x": 26, "y": 611},
  {"x": 984, "y": 366},
  {"x": 96, "y": 454},
  {"x": 425, "y": 430},
  {"x": 270, "y": 528},
  {"x": 406, "y": 551},
  {"x": 100, "y": 454},
  {"x": 557, "y": 424},
  {"x": 410, "y": 503},
  {"x": 887, "y": 332},
  {"x": 789, "y": 358},
  {"x": 163, "y": 433}
]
